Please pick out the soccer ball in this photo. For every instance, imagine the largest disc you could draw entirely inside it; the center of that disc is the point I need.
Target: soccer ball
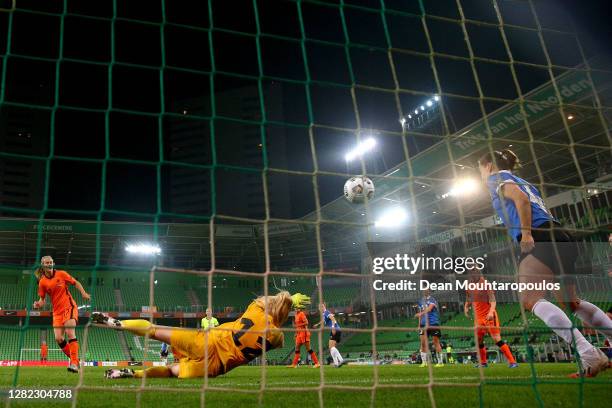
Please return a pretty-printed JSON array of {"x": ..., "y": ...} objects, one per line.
[{"x": 357, "y": 188}]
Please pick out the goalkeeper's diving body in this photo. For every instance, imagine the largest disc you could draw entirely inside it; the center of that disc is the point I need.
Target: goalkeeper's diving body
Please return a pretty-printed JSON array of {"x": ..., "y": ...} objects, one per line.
[{"x": 218, "y": 350}]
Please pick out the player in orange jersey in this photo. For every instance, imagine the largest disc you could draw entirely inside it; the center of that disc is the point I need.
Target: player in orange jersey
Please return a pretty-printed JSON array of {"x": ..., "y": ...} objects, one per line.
[
  {"x": 44, "y": 352},
  {"x": 302, "y": 337},
  {"x": 54, "y": 282},
  {"x": 487, "y": 321}
]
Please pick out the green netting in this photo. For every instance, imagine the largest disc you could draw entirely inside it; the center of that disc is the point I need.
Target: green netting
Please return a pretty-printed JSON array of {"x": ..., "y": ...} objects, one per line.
[{"x": 537, "y": 121}]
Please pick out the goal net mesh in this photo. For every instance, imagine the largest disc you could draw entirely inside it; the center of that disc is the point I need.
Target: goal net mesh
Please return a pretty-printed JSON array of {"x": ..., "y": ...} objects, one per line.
[{"x": 233, "y": 120}]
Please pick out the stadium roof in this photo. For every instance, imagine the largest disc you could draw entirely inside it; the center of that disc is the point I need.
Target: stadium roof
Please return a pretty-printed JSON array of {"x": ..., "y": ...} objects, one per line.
[{"x": 431, "y": 173}]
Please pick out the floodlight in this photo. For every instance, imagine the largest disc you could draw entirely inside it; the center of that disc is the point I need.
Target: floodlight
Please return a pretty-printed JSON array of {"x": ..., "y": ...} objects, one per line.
[
  {"x": 462, "y": 187},
  {"x": 392, "y": 218},
  {"x": 361, "y": 148},
  {"x": 143, "y": 249}
]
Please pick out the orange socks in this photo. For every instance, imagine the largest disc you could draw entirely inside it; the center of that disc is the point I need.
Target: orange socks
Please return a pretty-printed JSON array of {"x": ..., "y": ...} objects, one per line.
[
  {"x": 313, "y": 356},
  {"x": 506, "y": 350},
  {"x": 483, "y": 354},
  {"x": 296, "y": 358},
  {"x": 73, "y": 347}
]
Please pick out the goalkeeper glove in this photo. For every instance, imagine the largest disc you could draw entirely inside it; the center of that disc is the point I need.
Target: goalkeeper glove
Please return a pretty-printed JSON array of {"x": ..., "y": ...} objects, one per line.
[{"x": 300, "y": 301}]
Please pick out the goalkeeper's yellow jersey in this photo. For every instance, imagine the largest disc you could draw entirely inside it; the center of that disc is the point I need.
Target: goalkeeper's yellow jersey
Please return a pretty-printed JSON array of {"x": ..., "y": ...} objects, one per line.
[{"x": 245, "y": 340}]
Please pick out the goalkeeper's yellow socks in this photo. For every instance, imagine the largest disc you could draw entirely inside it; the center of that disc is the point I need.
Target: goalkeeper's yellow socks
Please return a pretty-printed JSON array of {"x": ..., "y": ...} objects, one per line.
[
  {"x": 139, "y": 326},
  {"x": 154, "y": 372}
]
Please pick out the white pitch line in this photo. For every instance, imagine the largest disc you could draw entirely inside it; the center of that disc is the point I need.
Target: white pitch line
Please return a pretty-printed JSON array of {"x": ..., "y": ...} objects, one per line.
[{"x": 236, "y": 384}]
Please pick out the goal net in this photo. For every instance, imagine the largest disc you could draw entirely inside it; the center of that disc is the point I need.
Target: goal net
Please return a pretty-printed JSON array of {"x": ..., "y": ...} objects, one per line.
[{"x": 220, "y": 134}]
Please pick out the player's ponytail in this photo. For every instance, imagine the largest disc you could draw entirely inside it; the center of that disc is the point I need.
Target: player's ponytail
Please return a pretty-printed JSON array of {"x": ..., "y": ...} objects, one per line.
[
  {"x": 504, "y": 160},
  {"x": 38, "y": 273}
]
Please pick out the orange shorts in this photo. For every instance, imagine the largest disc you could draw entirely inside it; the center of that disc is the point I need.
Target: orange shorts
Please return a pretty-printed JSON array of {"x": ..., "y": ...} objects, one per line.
[
  {"x": 60, "y": 318},
  {"x": 302, "y": 337},
  {"x": 488, "y": 326}
]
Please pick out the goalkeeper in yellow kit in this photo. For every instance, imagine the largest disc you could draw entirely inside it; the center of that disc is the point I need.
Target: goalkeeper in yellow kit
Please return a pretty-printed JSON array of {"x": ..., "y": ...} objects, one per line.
[{"x": 217, "y": 350}]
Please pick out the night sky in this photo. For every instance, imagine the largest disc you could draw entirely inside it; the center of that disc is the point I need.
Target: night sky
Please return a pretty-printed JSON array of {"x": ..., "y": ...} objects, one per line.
[{"x": 81, "y": 133}]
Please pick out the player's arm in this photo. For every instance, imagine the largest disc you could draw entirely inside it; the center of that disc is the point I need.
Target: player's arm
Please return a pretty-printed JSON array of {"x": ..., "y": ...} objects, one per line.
[
  {"x": 39, "y": 303},
  {"x": 322, "y": 320},
  {"x": 41, "y": 297},
  {"x": 466, "y": 305},
  {"x": 79, "y": 287},
  {"x": 523, "y": 208},
  {"x": 429, "y": 308},
  {"x": 333, "y": 320},
  {"x": 69, "y": 279}
]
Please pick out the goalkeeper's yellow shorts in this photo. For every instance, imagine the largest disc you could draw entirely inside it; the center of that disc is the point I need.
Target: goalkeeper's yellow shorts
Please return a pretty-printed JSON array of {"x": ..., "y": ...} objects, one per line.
[{"x": 191, "y": 345}]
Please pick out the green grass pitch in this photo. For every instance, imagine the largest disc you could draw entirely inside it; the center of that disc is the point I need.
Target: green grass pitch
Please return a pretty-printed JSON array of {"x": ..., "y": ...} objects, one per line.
[{"x": 287, "y": 387}]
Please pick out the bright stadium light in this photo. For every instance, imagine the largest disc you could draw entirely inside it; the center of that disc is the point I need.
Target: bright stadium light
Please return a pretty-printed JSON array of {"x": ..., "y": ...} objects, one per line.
[
  {"x": 436, "y": 98},
  {"x": 361, "y": 148},
  {"x": 143, "y": 249},
  {"x": 392, "y": 218},
  {"x": 429, "y": 103},
  {"x": 409, "y": 116},
  {"x": 422, "y": 108},
  {"x": 416, "y": 111},
  {"x": 462, "y": 187}
]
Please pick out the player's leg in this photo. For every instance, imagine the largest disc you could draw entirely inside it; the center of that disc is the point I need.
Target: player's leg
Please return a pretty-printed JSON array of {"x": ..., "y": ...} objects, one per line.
[
  {"x": 587, "y": 312},
  {"x": 503, "y": 347},
  {"x": 139, "y": 327},
  {"x": 482, "y": 349},
  {"x": 424, "y": 348},
  {"x": 151, "y": 372},
  {"x": 73, "y": 343},
  {"x": 171, "y": 370},
  {"x": 332, "y": 344},
  {"x": 436, "y": 334},
  {"x": 495, "y": 332},
  {"x": 58, "y": 332},
  {"x": 333, "y": 349},
  {"x": 313, "y": 355},
  {"x": 532, "y": 270},
  {"x": 296, "y": 357}
]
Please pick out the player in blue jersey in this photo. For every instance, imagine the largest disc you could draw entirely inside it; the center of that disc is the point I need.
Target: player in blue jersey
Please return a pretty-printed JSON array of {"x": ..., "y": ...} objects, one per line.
[
  {"x": 523, "y": 211},
  {"x": 163, "y": 353},
  {"x": 429, "y": 326},
  {"x": 329, "y": 320}
]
